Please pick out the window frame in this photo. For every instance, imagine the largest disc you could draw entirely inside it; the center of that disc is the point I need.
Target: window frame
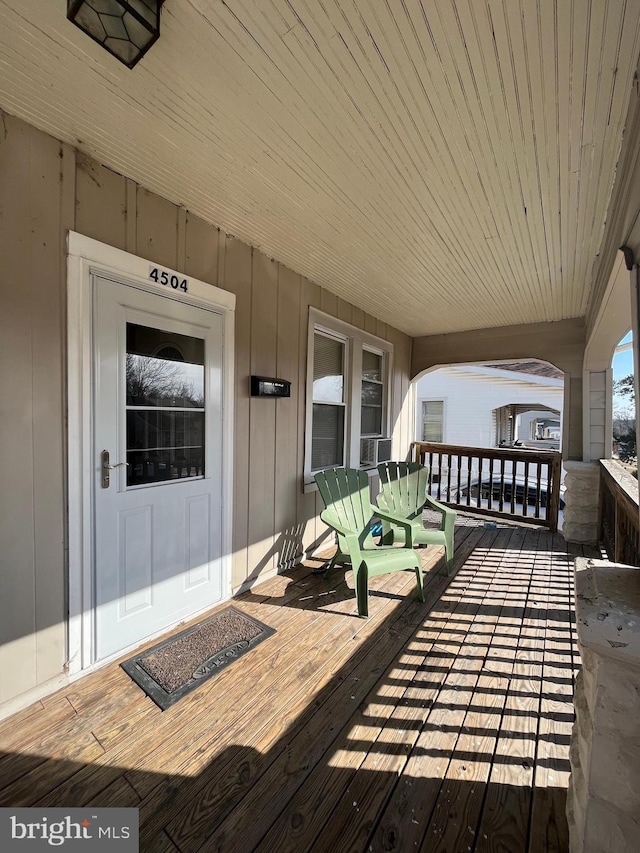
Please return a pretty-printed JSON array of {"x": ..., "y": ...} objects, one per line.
[{"x": 355, "y": 340}]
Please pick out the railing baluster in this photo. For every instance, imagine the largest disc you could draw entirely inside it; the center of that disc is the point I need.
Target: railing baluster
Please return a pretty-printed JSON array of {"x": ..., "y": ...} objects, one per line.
[
  {"x": 514, "y": 469},
  {"x": 469, "y": 462},
  {"x": 538, "y": 491},
  {"x": 449, "y": 477},
  {"x": 525, "y": 492},
  {"x": 479, "y": 499},
  {"x": 501, "y": 503},
  {"x": 490, "y": 501},
  {"x": 439, "y": 476},
  {"x": 554, "y": 472}
]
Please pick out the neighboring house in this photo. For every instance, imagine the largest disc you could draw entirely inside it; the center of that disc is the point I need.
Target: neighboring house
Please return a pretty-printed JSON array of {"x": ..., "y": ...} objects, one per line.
[
  {"x": 500, "y": 405},
  {"x": 491, "y": 405}
]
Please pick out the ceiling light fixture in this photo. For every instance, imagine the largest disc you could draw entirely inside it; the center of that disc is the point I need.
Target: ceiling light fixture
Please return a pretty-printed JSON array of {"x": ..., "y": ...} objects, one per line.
[{"x": 126, "y": 28}]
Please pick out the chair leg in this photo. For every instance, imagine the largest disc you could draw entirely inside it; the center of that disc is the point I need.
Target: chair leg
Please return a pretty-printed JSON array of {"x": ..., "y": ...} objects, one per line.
[
  {"x": 337, "y": 558},
  {"x": 361, "y": 578},
  {"x": 420, "y": 583},
  {"x": 449, "y": 554},
  {"x": 325, "y": 570}
]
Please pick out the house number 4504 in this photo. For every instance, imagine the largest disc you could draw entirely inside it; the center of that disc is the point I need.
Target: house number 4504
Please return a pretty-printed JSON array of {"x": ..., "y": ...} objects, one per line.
[{"x": 168, "y": 279}]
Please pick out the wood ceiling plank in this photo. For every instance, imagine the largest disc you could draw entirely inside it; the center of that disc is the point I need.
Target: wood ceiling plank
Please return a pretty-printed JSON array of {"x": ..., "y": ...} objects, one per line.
[
  {"x": 528, "y": 104},
  {"x": 397, "y": 47},
  {"x": 394, "y": 148}
]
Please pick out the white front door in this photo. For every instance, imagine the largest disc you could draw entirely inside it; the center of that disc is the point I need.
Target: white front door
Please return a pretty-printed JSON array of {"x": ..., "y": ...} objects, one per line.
[{"x": 157, "y": 449}]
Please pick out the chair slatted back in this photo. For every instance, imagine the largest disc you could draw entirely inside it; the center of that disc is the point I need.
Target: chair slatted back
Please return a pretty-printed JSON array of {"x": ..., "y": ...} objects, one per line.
[
  {"x": 404, "y": 487},
  {"x": 346, "y": 496}
]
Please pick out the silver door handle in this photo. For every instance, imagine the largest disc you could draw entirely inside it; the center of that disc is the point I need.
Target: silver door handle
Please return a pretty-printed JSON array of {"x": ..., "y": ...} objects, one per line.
[{"x": 106, "y": 467}]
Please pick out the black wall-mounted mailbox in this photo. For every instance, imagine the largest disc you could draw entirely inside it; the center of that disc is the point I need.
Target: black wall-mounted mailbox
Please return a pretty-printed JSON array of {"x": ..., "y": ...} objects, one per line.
[{"x": 264, "y": 386}]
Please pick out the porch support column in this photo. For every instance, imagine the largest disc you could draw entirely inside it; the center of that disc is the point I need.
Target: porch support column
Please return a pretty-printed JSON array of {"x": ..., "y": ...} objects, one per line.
[
  {"x": 582, "y": 478},
  {"x": 581, "y": 483},
  {"x": 572, "y": 414},
  {"x": 598, "y": 414}
]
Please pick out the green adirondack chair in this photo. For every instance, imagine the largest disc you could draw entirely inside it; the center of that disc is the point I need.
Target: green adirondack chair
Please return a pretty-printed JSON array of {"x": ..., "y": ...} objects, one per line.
[
  {"x": 404, "y": 493},
  {"x": 348, "y": 510}
]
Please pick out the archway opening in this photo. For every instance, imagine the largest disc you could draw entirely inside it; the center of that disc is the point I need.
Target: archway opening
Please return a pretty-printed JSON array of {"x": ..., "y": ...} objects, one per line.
[
  {"x": 624, "y": 447},
  {"x": 490, "y": 435},
  {"x": 495, "y": 404}
]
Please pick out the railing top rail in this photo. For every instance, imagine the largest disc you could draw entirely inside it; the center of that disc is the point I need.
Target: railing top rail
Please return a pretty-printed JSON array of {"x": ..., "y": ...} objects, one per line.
[
  {"x": 621, "y": 480},
  {"x": 488, "y": 452}
]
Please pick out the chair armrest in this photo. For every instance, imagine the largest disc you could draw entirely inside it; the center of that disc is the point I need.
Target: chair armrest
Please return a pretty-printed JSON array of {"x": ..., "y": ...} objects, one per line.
[
  {"x": 351, "y": 538},
  {"x": 448, "y": 514},
  {"x": 399, "y": 520}
]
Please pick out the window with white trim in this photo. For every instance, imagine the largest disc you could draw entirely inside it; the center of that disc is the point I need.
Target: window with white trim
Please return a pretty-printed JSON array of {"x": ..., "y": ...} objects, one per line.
[
  {"x": 432, "y": 420},
  {"x": 347, "y": 393}
]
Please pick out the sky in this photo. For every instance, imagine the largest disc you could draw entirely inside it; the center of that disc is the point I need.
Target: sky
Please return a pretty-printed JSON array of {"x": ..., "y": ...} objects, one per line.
[{"x": 622, "y": 366}]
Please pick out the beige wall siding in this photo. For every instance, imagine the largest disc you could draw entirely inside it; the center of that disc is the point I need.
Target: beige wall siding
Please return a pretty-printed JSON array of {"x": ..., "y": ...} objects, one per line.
[
  {"x": 274, "y": 521},
  {"x": 33, "y": 215},
  {"x": 46, "y": 189}
]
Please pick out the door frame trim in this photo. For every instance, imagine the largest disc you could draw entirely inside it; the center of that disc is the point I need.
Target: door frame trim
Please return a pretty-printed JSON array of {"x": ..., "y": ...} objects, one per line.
[{"x": 85, "y": 257}]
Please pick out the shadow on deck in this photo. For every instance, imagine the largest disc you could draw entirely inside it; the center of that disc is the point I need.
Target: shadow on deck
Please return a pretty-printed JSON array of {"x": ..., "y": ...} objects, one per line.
[{"x": 437, "y": 727}]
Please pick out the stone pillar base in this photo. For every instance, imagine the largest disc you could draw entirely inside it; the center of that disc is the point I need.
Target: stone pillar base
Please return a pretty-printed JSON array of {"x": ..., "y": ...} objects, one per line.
[
  {"x": 581, "y": 483},
  {"x": 603, "y": 803}
]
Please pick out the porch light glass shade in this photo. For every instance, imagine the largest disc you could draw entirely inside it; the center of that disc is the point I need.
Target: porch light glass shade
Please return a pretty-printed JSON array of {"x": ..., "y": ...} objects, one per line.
[{"x": 126, "y": 28}]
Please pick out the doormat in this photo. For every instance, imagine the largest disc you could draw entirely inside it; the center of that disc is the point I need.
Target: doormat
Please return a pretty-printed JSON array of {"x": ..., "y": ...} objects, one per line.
[{"x": 176, "y": 666}]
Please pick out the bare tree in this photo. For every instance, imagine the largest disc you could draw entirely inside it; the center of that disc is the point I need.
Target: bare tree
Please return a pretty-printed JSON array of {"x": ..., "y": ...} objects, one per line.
[
  {"x": 158, "y": 380},
  {"x": 624, "y": 419},
  {"x": 625, "y": 387}
]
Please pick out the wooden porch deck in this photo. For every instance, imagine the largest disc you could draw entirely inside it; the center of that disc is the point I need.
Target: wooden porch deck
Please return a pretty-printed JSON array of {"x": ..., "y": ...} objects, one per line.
[{"x": 436, "y": 727}]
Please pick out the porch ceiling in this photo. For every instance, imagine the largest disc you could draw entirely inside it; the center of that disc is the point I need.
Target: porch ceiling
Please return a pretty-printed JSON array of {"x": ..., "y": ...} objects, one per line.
[{"x": 444, "y": 166}]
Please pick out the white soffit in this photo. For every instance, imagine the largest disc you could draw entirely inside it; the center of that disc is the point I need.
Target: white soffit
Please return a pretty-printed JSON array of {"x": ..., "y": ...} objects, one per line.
[{"x": 443, "y": 165}]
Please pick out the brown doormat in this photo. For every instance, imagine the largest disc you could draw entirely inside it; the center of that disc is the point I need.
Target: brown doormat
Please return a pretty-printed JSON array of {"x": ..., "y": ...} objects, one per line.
[{"x": 171, "y": 669}]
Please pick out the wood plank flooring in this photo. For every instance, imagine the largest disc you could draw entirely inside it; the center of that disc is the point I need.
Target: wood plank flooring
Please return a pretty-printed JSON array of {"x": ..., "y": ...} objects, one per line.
[{"x": 431, "y": 727}]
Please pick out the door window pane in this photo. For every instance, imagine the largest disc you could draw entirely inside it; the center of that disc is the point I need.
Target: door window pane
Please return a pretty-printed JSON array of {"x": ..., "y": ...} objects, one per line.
[
  {"x": 164, "y": 368},
  {"x": 165, "y": 405}
]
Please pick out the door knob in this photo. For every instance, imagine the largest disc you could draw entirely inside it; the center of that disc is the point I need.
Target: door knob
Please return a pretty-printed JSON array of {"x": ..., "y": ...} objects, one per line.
[{"x": 106, "y": 467}]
